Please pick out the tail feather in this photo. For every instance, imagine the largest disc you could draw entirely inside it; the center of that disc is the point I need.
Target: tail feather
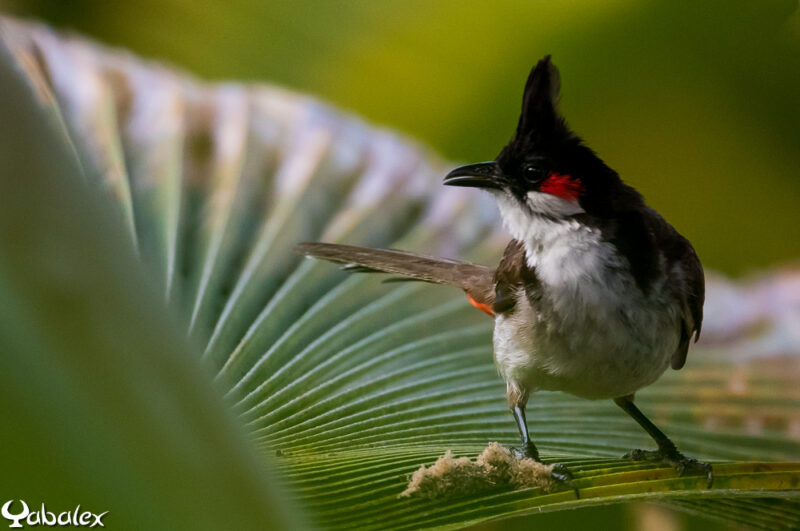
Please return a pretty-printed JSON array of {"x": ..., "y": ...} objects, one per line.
[{"x": 476, "y": 280}]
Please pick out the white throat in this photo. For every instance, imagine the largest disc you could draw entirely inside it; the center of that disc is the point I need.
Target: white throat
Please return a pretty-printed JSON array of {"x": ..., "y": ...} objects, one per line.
[
  {"x": 564, "y": 251},
  {"x": 523, "y": 222}
]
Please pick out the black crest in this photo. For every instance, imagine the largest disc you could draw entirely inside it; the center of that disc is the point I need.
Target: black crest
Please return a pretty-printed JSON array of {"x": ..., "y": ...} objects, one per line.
[{"x": 539, "y": 117}]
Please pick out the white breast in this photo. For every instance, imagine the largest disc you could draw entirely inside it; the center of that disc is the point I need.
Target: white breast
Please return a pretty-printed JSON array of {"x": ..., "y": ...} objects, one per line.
[{"x": 594, "y": 333}]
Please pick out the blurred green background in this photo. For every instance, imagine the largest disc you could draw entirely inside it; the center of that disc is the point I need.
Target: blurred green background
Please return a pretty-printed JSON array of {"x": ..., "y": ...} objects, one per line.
[{"x": 695, "y": 103}]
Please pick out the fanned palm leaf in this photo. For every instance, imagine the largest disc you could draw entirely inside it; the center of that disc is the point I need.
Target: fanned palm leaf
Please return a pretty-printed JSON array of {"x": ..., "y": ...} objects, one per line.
[{"x": 355, "y": 383}]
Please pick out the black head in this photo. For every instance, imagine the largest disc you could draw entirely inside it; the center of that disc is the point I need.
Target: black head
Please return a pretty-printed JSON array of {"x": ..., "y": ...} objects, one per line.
[{"x": 544, "y": 157}]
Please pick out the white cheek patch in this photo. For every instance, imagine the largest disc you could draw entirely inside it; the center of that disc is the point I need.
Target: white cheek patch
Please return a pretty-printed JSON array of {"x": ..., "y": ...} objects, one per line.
[{"x": 552, "y": 205}]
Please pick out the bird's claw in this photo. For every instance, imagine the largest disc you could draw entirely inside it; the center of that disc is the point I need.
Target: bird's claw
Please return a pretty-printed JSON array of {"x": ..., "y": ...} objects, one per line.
[
  {"x": 527, "y": 451},
  {"x": 559, "y": 472},
  {"x": 562, "y": 475},
  {"x": 672, "y": 457}
]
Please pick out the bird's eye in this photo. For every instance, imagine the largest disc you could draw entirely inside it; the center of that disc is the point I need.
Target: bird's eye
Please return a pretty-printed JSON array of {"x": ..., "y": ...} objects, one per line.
[{"x": 532, "y": 174}]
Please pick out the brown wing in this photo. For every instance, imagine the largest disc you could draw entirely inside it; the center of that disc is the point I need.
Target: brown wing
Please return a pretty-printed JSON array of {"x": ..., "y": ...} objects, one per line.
[{"x": 512, "y": 274}]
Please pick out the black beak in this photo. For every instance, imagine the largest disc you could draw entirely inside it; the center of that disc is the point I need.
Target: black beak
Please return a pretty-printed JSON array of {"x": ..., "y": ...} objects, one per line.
[{"x": 487, "y": 175}]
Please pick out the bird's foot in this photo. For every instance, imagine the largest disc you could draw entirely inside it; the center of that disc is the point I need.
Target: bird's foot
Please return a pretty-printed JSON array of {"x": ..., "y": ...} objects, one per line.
[
  {"x": 526, "y": 451},
  {"x": 559, "y": 472},
  {"x": 672, "y": 457},
  {"x": 562, "y": 474}
]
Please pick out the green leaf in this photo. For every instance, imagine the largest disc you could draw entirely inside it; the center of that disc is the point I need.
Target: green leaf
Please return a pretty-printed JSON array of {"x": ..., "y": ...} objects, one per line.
[
  {"x": 103, "y": 403},
  {"x": 344, "y": 385}
]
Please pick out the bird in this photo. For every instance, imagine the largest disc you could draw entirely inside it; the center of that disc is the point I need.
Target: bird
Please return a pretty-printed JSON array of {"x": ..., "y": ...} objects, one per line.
[{"x": 596, "y": 295}]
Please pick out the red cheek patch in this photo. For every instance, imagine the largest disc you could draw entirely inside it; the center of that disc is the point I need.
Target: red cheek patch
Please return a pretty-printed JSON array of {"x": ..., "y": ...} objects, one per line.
[{"x": 563, "y": 186}]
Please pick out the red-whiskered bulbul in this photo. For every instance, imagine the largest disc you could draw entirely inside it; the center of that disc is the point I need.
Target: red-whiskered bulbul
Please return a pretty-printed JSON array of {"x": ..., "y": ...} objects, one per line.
[{"x": 596, "y": 294}]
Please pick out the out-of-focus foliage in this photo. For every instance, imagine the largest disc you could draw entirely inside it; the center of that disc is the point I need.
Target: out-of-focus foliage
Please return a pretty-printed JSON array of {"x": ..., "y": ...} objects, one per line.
[
  {"x": 695, "y": 103},
  {"x": 351, "y": 382},
  {"x": 103, "y": 403}
]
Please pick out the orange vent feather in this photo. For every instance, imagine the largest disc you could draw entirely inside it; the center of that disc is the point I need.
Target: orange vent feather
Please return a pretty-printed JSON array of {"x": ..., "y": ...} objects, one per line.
[{"x": 485, "y": 308}]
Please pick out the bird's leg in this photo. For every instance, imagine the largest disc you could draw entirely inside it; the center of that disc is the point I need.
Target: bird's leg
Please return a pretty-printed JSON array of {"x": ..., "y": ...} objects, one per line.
[
  {"x": 517, "y": 399},
  {"x": 527, "y": 449},
  {"x": 517, "y": 396},
  {"x": 667, "y": 452}
]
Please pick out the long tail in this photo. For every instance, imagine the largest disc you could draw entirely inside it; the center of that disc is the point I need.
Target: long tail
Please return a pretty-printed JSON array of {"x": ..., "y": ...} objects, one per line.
[{"x": 477, "y": 281}]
